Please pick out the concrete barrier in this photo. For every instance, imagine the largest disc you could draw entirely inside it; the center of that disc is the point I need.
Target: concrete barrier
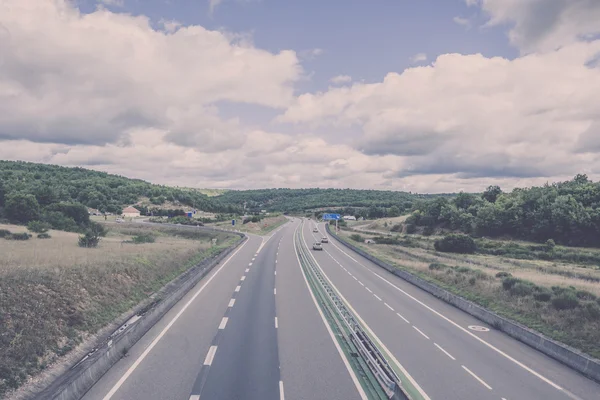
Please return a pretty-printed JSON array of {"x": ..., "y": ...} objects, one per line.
[
  {"x": 567, "y": 355},
  {"x": 74, "y": 383}
]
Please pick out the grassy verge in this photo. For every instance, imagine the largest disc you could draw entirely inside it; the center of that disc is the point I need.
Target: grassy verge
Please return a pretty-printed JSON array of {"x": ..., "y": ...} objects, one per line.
[
  {"x": 263, "y": 227},
  {"x": 564, "y": 307},
  {"x": 54, "y": 294}
]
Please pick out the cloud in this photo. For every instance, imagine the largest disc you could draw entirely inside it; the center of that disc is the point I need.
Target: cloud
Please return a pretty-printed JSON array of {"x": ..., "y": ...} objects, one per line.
[
  {"x": 543, "y": 25},
  {"x": 212, "y": 5},
  {"x": 469, "y": 116},
  {"x": 462, "y": 21},
  {"x": 116, "y": 3},
  {"x": 417, "y": 58},
  {"x": 340, "y": 79},
  {"x": 94, "y": 77},
  {"x": 310, "y": 54}
]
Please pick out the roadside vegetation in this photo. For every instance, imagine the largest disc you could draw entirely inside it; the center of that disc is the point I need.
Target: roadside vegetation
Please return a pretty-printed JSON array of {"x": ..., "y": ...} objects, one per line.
[
  {"x": 257, "y": 224},
  {"x": 55, "y": 293},
  {"x": 552, "y": 289}
]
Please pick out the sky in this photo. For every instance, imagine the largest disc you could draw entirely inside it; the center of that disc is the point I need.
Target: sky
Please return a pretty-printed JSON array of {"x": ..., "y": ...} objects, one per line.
[{"x": 425, "y": 96}]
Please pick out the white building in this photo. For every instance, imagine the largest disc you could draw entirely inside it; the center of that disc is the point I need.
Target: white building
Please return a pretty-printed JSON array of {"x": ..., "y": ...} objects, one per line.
[
  {"x": 349, "y": 218},
  {"x": 131, "y": 212}
]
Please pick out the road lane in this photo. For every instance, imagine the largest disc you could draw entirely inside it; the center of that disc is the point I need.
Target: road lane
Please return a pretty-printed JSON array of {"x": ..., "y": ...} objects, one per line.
[
  {"x": 170, "y": 368},
  {"x": 311, "y": 367},
  {"x": 506, "y": 378}
]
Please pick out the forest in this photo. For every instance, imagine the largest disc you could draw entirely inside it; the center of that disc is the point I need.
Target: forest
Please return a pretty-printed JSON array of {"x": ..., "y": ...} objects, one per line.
[{"x": 566, "y": 212}]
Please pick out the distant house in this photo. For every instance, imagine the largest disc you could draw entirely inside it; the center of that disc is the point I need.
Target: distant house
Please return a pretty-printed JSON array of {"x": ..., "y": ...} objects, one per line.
[
  {"x": 349, "y": 218},
  {"x": 130, "y": 212}
]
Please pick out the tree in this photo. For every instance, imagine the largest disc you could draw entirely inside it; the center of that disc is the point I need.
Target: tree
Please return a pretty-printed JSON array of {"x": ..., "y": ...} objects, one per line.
[
  {"x": 394, "y": 211},
  {"x": 491, "y": 193},
  {"x": 21, "y": 208},
  {"x": 2, "y": 193}
]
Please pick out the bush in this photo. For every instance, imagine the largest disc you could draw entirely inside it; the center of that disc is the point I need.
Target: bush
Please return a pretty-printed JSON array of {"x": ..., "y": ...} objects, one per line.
[
  {"x": 386, "y": 240},
  {"x": 19, "y": 236},
  {"x": 411, "y": 228},
  {"x": 509, "y": 282},
  {"x": 97, "y": 229},
  {"x": 592, "y": 311},
  {"x": 437, "y": 266},
  {"x": 90, "y": 239},
  {"x": 472, "y": 280},
  {"x": 43, "y": 235},
  {"x": 503, "y": 274},
  {"x": 396, "y": 228},
  {"x": 565, "y": 301},
  {"x": 585, "y": 295},
  {"x": 428, "y": 230},
  {"x": 456, "y": 243},
  {"x": 544, "y": 295},
  {"x": 464, "y": 270},
  {"x": 38, "y": 226},
  {"x": 357, "y": 238},
  {"x": 143, "y": 238},
  {"x": 521, "y": 289},
  {"x": 4, "y": 233}
]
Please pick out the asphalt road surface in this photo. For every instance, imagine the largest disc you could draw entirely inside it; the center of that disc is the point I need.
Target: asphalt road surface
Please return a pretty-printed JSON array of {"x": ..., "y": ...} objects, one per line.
[{"x": 251, "y": 330}]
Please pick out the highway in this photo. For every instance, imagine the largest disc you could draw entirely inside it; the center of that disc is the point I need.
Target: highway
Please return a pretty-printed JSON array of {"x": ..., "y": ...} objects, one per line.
[{"x": 252, "y": 329}]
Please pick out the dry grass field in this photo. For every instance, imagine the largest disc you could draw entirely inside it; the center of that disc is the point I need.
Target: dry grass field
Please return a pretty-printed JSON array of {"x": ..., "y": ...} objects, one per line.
[
  {"x": 54, "y": 294},
  {"x": 475, "y": 277}
]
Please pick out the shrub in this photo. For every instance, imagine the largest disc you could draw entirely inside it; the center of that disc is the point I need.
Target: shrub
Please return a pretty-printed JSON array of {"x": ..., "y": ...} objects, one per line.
[
  {"x": 4, "y": 233},
  {"x": 509, "y": 282},
  {"x": 97, "y": 229},
  {"x": 472, "y": 280},
  {"x": 565, "y": 301},
  {"x": 503, "y": 274},
  {"x": 357, "y": 238},
  {"x": 428, "y": 230},
  {"x": 437, "y": 266},
  {"x": 456, "y": 243},
  {"x": 38, "y": 226},
  {"x": 386, "y": 240},
  {"x": 43, "y": 235},
  {"x": 585, "y": 295},
  {"x": 464, "y": 270},
  {"x": 143, "y": 238},
  {"x": 550, "y": 244},
  {"x": 592, "y": 311},
  {"x": 19, "y": 236},
  {"x": 521, "y": 289},
  {"x": 411, "y": 228},
  {"x": 396, "y": 228},
  {"x": 544, "y": 295},
  {"x": 89, "y": 239}
]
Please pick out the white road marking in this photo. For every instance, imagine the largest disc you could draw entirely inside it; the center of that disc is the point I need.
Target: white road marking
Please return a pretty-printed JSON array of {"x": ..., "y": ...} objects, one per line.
[
  {"x": 255, "y": 254},
  {"x": 243, "y": 278},
  {"x": 275, "y": 291},
  {"x": 403, "y": 318},
  {"x": 211, "y": 354},
  {"x": 355, "y": 278},
  {"x": 137, "y": 362},
  {"x": 276, "y": 325},
  {"x": 377, "y": 297},
  {"x": 362, "y": 284},
  {"x": 370, "y": 291},
  {"x": 388, "y": 306},
  {"x": 476, "y": 377},
  {"x": 253, "y": 258},
  {"x": 247, "y": 270},
  {"x": 275, "y": 261},
  {"x": 349, "y": 273},
  {"x": 237, "y": 288},
  {"x": 418, "y": 330},
  {"x": 281, "y": 395},
  {"x": 369, "y": 330},
  {"x": 520, "y": 364},
  {"x": 445, "y": 352},
  {"x": 231, "y": 302},
  {"x": 194, "y": 397},
  {"x": 223, "y": 323},
  {"x": 275, "y": 272},
  {"x": 361, "y": 391},
  {"x": 250, "y": 264}
]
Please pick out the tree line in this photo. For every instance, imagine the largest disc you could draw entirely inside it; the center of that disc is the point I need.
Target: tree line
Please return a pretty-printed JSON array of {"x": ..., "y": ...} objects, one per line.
[{"x": 566, "y": 212}]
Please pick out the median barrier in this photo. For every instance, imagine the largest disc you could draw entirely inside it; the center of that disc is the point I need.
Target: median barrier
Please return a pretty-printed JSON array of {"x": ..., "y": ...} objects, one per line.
[
  {"x": 567, "y": 355},
  {"x": 75, "y": 382}
]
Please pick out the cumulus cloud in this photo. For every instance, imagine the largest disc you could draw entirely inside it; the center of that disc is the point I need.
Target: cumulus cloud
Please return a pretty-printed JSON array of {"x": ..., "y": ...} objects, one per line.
[
  {"x": 471, "y": 116},
  {"x": 419, "y": 57},
  {"x": 463, "y": 22},
  {"x": 116, "y": 3},
  {"x": 340, "y": 79},
  {"x": 543, "y": 25},
  {"x": 96, "y": 76}
]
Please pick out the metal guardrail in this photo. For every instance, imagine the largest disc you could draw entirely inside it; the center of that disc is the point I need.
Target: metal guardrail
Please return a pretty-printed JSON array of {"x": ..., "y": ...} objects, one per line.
[{"x": 375, "y": 361}]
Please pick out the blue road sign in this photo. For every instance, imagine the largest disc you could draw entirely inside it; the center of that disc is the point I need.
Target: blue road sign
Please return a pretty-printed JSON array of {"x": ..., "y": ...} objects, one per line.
[
  {"x": 233, "y": 222},
  {"x": 327, "y": 217}
]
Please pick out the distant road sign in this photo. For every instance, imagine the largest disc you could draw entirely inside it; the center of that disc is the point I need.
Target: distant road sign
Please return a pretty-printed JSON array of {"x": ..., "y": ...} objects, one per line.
[
  {"x": 327, "y": 217},
  {"x": 233, "y": 222}
]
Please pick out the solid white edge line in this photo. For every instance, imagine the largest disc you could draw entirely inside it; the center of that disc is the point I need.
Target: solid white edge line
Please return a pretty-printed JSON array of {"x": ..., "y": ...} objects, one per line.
[
  {"x": 418, "y": 330},
  {"x": 223, "y": 323},
  {"x": 361, "y": 391},
  {"x": 373, "y": 335},
  {"x": 276, "y": 325},
  {"x": 231, "y": 302},
  {"x": 281, "y": 395},
  {"x": 476, "y": 377},
  {"x": 210, "y": 355},
  {"x": 237, "y": 288},
  {"x": 137, "y": 362},
  {"x": 445, "y": 352},
  {"x": 520, "y": 364},
  {"x": 403, "y": 318}
]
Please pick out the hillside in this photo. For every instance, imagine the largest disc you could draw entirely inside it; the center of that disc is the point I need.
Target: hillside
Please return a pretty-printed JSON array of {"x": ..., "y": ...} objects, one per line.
[
  {"x": 28, "y": 191},
  {"x": 566, "y": 212},
  {"x": 297, "y": 200}
]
